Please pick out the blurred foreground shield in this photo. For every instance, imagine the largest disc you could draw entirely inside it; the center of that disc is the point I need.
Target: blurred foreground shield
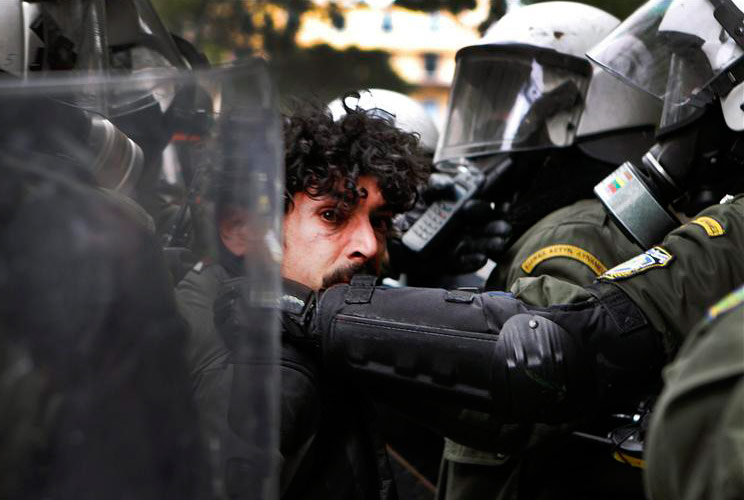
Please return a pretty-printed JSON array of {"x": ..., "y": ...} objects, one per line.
[{"x": 94, "y": 384}]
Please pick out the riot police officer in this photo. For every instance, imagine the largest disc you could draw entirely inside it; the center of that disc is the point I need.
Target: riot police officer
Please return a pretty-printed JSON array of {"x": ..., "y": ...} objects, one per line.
[{"x": 553, "y": 170}]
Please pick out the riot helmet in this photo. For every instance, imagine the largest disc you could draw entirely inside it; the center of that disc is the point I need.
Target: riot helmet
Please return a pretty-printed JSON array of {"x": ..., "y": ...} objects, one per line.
[
  {"x": 527, "y": 85},
  {"x": 688, "y": 54},
  {"x": 407, "y": 114},
  {"x": 527, "y": 92},
  {"x": 132, "y": 129},
  {"x": 84, "y": 35}
]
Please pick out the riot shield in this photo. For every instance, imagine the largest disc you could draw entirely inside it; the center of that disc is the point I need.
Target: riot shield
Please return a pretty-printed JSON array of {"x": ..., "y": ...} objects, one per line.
[{"x": 98, "y": 356}]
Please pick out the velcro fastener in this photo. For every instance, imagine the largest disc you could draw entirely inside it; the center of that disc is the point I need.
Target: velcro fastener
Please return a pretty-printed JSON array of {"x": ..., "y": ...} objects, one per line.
[
  {"x": 461, "y": 296},
  {"x": 360, "y": 290}
]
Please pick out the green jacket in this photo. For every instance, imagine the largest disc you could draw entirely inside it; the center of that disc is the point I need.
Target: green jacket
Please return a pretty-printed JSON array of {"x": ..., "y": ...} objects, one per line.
[
  {"x": 695, "y": 264},
  {"x": 695, "y": 445},
  {"x": 575, "y": 244}
]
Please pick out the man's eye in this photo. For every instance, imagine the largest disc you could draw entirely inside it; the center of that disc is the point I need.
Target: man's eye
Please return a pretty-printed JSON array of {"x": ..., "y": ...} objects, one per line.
[{"x": 330, "y": 215}]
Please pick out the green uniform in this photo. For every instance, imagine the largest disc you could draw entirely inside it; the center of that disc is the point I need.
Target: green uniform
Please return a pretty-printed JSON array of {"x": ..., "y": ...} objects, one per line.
[
  {"x": 574, "y": 244},
  {"x": 695, "y": 444},
  {"x": 694, "y": 265}
]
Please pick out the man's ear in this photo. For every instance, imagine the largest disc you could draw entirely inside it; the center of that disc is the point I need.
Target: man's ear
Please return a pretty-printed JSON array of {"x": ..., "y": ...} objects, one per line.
[
  {"x": 227, "y": 228},
  {"x": 230, "y": 229}
]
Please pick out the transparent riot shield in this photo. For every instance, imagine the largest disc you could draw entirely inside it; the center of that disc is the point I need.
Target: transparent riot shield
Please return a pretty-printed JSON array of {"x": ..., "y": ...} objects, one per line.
[{"x": 139, "y": 279}]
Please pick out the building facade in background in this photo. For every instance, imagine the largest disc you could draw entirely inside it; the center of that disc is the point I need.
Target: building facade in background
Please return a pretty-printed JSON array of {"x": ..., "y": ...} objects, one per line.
[{"x": 422, "y": 45}]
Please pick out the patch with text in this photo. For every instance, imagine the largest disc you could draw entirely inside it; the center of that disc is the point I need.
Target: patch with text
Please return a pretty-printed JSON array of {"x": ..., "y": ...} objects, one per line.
[
  {"x": 712, "y": 227},
  {"x": 568, "y": 251},
  {"x": 655, "y": 257}
]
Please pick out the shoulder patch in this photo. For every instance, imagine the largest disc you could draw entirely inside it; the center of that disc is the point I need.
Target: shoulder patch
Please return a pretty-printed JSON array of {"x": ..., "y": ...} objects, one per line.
[
  {"x": 727, "y": 303},
  {"x": 712, "y": 227},
  {"x": 568, "y": 251},
  {"x": 655, "y": 257}
]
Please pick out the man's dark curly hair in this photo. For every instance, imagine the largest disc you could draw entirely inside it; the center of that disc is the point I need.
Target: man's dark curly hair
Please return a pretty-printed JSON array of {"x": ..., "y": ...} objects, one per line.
[{"x": 326, "y": 157}]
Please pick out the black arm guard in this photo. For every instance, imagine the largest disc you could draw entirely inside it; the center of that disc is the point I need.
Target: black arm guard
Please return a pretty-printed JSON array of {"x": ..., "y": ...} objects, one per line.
[{"x": 488, "y": 352}]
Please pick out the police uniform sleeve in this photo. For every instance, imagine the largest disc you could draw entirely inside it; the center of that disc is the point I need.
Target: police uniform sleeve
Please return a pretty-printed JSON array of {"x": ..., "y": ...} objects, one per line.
[
  {"x": 574, "y": 244},
  {"x": 695, "y": 265},
  {"x": 695, "y": 446},
  {"x": 195, "y": 295}
]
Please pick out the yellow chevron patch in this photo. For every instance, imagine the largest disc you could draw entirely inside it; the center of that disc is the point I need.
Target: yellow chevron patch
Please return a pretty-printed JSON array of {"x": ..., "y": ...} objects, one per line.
[
  {"x": 711, "y": 226},
  {"x": 568, "y": 251}
]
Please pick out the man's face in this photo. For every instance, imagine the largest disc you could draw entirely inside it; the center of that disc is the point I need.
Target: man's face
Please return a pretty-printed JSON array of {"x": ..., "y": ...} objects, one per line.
[{"x": 324, "y": 245}]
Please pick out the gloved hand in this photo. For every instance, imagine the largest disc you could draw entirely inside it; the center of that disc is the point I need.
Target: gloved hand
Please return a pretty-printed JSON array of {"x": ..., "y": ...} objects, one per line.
[
  {"x": 233, "y": 317},
  {"x": 482, "y": 234}
]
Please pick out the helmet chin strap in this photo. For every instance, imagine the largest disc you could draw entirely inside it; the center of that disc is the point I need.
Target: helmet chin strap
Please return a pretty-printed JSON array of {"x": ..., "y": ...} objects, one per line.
[{"x": 730, "y": 18}]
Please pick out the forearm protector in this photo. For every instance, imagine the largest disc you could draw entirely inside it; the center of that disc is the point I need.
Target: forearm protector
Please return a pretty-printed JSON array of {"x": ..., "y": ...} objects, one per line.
[{"x": 487, "y": 352}]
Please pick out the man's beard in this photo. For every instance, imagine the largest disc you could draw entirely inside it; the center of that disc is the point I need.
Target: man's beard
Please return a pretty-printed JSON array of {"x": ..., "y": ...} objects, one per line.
[{"x": 344, "y": 274}]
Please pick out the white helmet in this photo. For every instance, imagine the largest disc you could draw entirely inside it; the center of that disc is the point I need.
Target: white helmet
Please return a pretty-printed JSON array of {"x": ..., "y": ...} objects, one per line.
[
  {"x": 406, "y": 114},
  {"x": 18, "y": 43},
  {"x": 686, "y": 52},
  {"x": 68, "y": 35},
  {"x": 527, "y": 85}
]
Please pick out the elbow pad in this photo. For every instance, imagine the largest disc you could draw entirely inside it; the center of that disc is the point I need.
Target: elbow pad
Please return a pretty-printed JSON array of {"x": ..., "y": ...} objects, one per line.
[
  {"x": 462, "y": 350},
  {"x": 487, "y": 352}
]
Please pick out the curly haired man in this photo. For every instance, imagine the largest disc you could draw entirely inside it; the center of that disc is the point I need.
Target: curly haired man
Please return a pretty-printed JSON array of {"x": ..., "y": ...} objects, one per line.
[{"x": 345, "y": 180}]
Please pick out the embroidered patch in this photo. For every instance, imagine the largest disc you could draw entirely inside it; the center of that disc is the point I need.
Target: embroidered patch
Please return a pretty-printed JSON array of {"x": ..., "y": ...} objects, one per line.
[
  {"x": 655, "y": 257},
  {"x": 629, "y": 460},
  {"x": 711, "y": 226},
  {"x": 569, "y": 251},
  {"x": 729, "y": 302}
]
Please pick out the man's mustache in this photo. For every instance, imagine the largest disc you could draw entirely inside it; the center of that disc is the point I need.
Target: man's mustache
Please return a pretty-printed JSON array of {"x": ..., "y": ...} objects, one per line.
[{"x": 344, "y": 274}]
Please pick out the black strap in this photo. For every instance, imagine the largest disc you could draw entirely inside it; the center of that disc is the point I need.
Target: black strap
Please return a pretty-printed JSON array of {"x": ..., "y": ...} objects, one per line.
[
  {"x": 724, "y": 83},
  {"x": 623, "y": 311},
  {"x": 360, "y": 290},
  {"x": 730, "y": 18}
]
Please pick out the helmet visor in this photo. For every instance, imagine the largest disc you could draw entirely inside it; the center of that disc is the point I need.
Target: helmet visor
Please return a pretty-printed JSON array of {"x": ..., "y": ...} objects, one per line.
[
  {"x": 512, "y": 97},
  {"x": 666, "y": 41}
]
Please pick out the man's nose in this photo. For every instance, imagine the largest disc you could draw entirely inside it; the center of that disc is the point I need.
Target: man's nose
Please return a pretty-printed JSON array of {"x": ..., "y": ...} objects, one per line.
[{"x": 364, "y": 242}]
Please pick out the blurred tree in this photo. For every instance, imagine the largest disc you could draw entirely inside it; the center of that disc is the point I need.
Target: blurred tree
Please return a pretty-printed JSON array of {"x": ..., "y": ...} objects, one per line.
[
  {"x": 229, "y": 29},
  {"x": 305, "y": 73}
]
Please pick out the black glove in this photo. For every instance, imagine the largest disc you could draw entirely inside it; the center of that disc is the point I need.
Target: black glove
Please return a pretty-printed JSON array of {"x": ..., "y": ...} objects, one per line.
[
  {"x": 232, "y": 318},
  {"x": 482, "y": 234}
]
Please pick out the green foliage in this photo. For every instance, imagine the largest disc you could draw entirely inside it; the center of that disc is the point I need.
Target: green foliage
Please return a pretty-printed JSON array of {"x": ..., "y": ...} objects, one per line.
[{"x": 229, "y": 29}]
